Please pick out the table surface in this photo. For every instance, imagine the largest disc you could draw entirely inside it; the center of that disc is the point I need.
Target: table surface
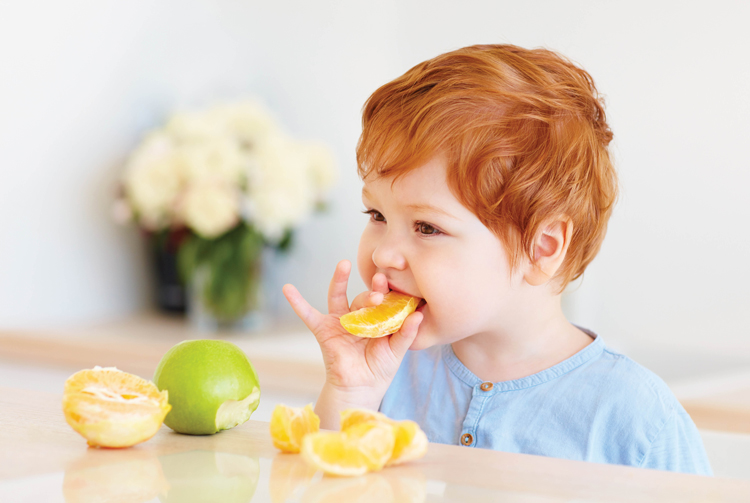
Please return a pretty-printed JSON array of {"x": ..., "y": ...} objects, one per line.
[
  {"x": 286, "y": 357},
  {"x": 43, "y": 459}
]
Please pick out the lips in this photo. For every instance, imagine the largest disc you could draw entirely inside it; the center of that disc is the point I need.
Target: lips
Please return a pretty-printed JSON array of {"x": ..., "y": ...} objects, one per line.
[
  {"x": 422, "y": 302},
  {"x": 398, "y": 290}
]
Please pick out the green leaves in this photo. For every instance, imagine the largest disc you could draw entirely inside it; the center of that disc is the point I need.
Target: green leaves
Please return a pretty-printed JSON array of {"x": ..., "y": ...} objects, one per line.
[{"x": 227, "y": 268}]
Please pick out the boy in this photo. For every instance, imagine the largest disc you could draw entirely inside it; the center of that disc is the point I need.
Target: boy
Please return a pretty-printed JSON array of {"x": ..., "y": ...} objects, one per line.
[{"x": 489, "y": 185}]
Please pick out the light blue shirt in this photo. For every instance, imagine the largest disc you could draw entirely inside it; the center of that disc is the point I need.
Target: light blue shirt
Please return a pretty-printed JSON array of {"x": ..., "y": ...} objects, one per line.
[{"x": 597, "y": 405}]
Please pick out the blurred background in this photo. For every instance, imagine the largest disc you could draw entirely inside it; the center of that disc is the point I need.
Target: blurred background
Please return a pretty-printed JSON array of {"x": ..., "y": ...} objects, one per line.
[{"x": 83, "y": 81}]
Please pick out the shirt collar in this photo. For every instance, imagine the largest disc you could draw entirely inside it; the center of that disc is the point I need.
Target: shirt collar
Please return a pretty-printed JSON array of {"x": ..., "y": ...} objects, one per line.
[{"x": 586, "y": 354}]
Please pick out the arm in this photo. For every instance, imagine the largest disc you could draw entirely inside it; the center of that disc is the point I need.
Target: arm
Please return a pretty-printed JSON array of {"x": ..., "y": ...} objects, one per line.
[{"x": 358, "y": 370}]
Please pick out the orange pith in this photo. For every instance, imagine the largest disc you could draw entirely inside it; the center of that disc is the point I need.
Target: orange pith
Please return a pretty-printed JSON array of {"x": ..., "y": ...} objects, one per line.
[
  {"x": 368, "y": 440},
  {"x": 410, "y": 441},
  {"x": 362, "y": 448},
  {"x": 351, "y": 417},
  {"x": 383, "y": 319},
  {"x": 290, "y": 424},
  {"x": 111, "y": 408}
]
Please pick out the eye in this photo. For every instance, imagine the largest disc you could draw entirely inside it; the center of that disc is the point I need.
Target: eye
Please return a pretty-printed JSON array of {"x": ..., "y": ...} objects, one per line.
[
  {"x": 426, "y": 229},
  {"x": 375, "y": 215}
]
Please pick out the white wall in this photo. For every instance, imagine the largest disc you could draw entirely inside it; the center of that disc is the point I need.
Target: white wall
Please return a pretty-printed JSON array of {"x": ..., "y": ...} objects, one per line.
[{"x": 82, "y": 80}]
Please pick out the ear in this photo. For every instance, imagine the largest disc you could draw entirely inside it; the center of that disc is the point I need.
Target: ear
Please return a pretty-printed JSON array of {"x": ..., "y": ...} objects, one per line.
[{"x": 548, "y": 250}]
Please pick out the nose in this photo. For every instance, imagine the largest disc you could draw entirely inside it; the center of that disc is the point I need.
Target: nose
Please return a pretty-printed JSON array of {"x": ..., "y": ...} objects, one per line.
[{"x": 388, "y": 253}]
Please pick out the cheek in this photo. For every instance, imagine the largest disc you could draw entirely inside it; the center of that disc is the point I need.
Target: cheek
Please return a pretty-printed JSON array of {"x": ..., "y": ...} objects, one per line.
[
  {"x": 365, "y": 266},
  {"x": 449, "y": 296},
  {"x": 464, "y": 296}
]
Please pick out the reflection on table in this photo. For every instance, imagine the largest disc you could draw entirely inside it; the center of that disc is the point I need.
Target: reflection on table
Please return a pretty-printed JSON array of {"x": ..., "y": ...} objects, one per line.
[{"x": 43, "y": 459}]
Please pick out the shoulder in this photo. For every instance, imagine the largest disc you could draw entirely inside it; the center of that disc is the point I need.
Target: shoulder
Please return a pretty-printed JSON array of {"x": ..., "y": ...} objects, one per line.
[
  {"x": 631, "y": 389},
  {"x": 639, "y": 404},
  {"x": 632, "y": 378}
]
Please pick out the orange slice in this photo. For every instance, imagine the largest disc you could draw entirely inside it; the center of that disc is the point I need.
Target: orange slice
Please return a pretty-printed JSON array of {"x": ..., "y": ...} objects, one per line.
[
  {"x": 351, "y": 417},
  {"x": 290, "y": 424},
  {"x": 410, "y": 441},
  {"x": 111, "y": 408},
  {"x": 383, "y": 319},
  {"x": 361, "y": 448}
]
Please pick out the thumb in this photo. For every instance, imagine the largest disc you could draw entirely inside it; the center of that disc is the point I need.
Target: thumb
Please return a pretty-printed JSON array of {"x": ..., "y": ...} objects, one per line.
[{"x": 402, "y": 340}]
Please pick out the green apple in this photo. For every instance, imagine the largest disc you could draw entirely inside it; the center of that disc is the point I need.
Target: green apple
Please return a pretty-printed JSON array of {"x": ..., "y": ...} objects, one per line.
[{"x": 212, "y": 386}]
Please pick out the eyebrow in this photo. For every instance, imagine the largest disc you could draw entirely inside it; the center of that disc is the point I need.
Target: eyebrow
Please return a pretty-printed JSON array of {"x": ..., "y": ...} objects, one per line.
[
  {"x": 429, "y": 207},
  {"x": 419, "y": 207}
]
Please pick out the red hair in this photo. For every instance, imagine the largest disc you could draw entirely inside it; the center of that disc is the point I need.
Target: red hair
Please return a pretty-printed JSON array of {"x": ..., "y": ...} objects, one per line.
[{"x": 524, "y": 135}]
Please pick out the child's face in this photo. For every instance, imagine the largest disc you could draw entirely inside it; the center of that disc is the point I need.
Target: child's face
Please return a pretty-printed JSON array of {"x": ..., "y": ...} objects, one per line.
[{"x": 429, "y": 245}]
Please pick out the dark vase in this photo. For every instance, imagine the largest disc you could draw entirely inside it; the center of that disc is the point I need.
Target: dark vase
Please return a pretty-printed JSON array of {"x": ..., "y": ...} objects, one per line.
[{"x": 171, "y": 294}]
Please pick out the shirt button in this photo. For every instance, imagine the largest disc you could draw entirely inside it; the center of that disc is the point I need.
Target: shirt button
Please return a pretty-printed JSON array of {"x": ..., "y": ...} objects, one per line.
[
  {"x": 486, "y": 386},
  {"x": 467, "y": 439}
]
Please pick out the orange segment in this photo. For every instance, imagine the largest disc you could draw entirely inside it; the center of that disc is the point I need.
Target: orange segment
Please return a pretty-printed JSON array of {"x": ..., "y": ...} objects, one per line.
[
  {"x": 383, "y": 319},
  {"x": 410, "y": 441},
  {"x": 363, "y": 447},
  {"x": 351, "y": 417},
  {"x": 111, "y": 408},
  {"x": 290, "y": 424}
]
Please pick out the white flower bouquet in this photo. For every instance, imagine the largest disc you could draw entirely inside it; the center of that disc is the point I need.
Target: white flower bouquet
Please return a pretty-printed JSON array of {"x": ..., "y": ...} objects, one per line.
[{"x": 232, "y": 182}]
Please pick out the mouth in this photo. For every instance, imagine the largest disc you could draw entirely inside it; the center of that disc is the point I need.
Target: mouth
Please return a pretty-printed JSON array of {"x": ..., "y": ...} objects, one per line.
[{"x": 422, "y": 302}]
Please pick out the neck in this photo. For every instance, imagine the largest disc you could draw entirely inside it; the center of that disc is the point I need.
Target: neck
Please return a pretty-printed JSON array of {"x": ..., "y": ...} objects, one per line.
[{"x": 531, "y": 337}]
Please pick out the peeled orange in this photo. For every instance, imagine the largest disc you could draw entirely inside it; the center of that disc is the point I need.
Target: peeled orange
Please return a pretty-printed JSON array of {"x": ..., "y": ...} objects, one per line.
[
  {"x": 361, "y": 448},
  {"x": 290, "y": 424},
  {"x": 111, "y": 408},
  {"x": 351, "y": 417},
  {"x": 410, "y": 441},
  {"x": 383, "y": 319}
]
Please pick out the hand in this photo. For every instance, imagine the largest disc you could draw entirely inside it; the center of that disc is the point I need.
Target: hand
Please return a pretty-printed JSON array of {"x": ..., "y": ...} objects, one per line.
[{"x": 358, "y": 370}]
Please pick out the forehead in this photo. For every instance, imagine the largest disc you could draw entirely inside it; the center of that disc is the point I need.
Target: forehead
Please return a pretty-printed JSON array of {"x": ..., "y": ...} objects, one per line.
[
  {"x": 423, "y": 188},
  {"x": 423, "y": 181}
]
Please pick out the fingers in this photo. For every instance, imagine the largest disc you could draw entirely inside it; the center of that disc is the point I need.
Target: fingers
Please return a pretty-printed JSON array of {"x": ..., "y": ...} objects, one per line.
[
  {"x": 311, "y": 316},
  {"x": 366, "y": 299},
  {"x": 375, "y": 298},
  {"x": 379, "y": 289},
  {"x": 337, "y": 302},
  {"x": 402, "y": 340},
  {"x": 380, "y": 283},
  {"x": 360, "y": 301}
]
